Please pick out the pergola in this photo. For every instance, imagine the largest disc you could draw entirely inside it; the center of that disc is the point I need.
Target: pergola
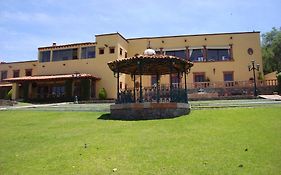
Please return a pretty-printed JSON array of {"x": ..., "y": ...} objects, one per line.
[{"x": 151, "y": 64}]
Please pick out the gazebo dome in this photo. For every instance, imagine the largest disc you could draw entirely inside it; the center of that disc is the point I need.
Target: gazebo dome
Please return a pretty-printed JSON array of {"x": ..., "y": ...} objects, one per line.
[{"x": 149, "y": 52}]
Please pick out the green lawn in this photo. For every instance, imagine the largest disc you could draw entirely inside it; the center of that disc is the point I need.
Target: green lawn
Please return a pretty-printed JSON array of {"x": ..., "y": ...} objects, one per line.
[{"x": 204, "y": 142}]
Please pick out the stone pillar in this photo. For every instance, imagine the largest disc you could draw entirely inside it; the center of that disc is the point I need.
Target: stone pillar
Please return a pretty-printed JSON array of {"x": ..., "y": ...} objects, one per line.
[
  {"x": 205, "y": 53},
  {"x": 231, "y": 51},
  {"x": 15, "y": 89},
  {"x": 51, "y": 55}
]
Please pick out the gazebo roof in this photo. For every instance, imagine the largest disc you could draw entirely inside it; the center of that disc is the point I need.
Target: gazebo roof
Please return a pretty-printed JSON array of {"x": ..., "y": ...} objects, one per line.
[{"x": 151, "y": 64}]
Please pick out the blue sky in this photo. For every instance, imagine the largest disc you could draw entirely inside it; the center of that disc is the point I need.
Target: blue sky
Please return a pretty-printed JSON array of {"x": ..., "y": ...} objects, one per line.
[{"x": 26, "y": 25}]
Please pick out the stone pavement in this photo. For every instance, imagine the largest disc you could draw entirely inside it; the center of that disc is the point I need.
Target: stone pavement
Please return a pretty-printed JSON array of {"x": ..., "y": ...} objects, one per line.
[{"x": 271, "y": 97}]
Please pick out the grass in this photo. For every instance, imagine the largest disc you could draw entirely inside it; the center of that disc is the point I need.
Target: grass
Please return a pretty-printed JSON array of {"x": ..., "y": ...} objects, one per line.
[{"x": 205, "y": 142}]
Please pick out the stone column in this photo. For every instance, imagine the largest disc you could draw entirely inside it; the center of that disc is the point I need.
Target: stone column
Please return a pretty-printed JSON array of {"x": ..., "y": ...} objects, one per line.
[{"x": 15, "y": 89}]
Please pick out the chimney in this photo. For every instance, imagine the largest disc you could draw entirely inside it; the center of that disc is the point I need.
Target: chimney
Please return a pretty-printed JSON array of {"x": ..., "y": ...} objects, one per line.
[{"x": 54, "y": 44}]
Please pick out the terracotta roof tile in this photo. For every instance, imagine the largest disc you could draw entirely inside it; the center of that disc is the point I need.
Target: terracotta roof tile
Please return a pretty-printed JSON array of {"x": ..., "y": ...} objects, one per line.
[{"x": 50, "y": 77}]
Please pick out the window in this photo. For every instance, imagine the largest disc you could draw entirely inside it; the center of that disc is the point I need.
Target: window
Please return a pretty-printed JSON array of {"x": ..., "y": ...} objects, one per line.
[
  {"x": 126, "y": 54},
  {"x": 28, "y": 72},
  {"x": 121, "y": 51},
  {"x": 58, "y": 91},
  {"x": 44, "y": 56},
  {"x": 4, "y": 74},
  {"x": 177, "y": 53},
  {"x": 120, "y": 85},
  {"x": 112, "y": 50},
  {"x": 101, "y": 51},
  {"x": 88, "y": 52},
  {"x": 16, "y": 73},
  {"x": 67, "y": 54},
  {"x": 196, "y": 55},
  {"x": 228, "y": 76},
  {"x": 199, "y": 77},
  {"x": 218, "y": 55}
]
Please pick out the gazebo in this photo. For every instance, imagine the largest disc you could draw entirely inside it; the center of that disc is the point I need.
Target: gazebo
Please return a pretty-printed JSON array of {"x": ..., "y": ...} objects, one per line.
[{"x": 154, "y": 102}]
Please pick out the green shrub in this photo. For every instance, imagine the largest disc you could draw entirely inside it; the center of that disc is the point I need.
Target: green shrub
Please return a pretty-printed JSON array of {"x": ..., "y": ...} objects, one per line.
[
  {"x": 279, "y": 83},
  {"x": 9, "y": 94},
  {"x": 102, "y": 94}
]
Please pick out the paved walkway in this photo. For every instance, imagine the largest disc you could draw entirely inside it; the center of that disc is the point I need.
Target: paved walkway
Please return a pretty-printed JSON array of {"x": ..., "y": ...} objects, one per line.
[
  {"x": 271, "y": 97},
  {"x": 105, "y": 107}
]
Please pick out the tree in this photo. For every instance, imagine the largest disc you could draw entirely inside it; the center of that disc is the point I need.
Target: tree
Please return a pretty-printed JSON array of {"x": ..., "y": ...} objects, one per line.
[{"x": 271, "y": 50}]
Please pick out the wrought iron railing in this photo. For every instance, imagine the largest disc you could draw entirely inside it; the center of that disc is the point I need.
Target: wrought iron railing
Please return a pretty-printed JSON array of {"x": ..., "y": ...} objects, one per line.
[
  {"x": 231, "y": 84},
  {"x": 150, "y": 94},
  {"x": 178, "y": 94}
]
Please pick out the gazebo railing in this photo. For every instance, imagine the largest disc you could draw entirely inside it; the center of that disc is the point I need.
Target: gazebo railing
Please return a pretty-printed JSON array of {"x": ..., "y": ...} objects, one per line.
[{"x": 149, "y": 94}]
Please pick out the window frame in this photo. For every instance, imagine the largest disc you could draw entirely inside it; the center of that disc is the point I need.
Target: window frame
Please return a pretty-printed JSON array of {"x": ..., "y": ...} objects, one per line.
[
  {"x": 121, "y": 52},
  {"x": 86, "y": 54},
  {"x": 2, "y": 77},
  {"x": 111, "y": 50},
  {"x": 101, "y": 51},
  {"x": 28, "y": 70},
  {"x": 41, "y": 60},
  {"x": 228, "y": 72},
  {"x": 197, "y": 74},
  {"x": 16, "y": 71},
  {"x": 64, "y": 58}
]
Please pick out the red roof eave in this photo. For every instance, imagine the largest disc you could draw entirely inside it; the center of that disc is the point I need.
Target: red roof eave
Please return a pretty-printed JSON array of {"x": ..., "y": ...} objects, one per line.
[{"x": 51, "y": 77}]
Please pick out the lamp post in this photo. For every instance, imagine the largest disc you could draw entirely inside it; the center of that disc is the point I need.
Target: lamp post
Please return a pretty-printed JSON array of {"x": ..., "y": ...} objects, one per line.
[{"x": 254, "y": 68}]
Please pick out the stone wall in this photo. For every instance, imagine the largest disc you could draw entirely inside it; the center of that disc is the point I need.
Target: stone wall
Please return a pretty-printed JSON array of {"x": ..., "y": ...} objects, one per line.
[{"x": 148, "y": 111}]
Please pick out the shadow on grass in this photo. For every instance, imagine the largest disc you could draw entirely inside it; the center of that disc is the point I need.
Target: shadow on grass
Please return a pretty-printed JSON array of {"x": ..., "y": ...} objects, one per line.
[{"x": 107, "y": 116}]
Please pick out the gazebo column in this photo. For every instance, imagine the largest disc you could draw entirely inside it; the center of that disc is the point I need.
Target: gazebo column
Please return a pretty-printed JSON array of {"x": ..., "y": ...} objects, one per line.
[
  {"x": 140, "y": 74},
  {"x": 171, "y": 81},
  {"x": 134, "y": 78},
  {"x": 185, "y": 88},
  {"x": 157, "y": 88},
  {"x": 178, "y": 76}
]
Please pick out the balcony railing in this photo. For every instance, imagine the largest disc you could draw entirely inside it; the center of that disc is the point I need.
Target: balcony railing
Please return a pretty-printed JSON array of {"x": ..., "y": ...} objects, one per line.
[
  {"x": 178, "y": 94},
  {"x": 232, "y": 84}
]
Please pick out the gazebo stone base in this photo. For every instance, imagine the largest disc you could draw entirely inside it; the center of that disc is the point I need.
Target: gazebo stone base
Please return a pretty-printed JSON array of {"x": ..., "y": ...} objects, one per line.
[{"x": 148, "y": 111}]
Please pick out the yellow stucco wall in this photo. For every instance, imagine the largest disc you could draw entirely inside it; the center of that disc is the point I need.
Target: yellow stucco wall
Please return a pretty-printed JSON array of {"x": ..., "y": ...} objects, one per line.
[
  {"x": 213, "y": 70},
  {"x": 21, "y": 66},
  {"x": 98, "y": 66}
]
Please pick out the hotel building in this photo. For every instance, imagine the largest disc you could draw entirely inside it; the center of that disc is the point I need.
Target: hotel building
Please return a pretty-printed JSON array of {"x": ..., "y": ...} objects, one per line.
[{"x": 63, "y": 71}]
